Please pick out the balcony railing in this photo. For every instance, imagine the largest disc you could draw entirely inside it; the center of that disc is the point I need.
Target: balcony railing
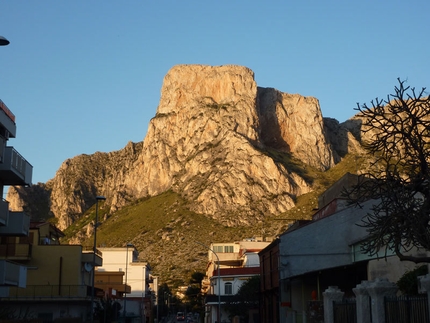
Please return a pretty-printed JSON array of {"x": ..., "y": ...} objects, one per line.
[
  {"x": 18, "y": 224},
  {"x": 119, "y": 286},
  {"x": 89, "y": 250},
  {"x": 14, "y": 169},
  {"x": 12, "y": 274},
  {"x": 50, "y": 292},
  {"x": 87, "y": 256}
]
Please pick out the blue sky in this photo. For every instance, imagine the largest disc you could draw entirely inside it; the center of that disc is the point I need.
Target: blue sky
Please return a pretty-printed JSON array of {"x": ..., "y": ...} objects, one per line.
[{"x": 85, "y": 76}]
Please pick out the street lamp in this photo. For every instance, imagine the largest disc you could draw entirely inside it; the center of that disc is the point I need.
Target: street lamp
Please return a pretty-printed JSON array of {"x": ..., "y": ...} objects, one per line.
[
  {"x": 3, "y": 41},
  {"x": 98, "y": 198},
  {"x": 125, "y": 285},
  {"x": 219, "y": 281}
]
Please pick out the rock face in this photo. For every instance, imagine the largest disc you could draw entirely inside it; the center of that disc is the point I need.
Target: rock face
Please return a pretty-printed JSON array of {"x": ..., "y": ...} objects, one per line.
[
  {"x": 213, "y": 140},
  {"x": 293, "y": 123}
]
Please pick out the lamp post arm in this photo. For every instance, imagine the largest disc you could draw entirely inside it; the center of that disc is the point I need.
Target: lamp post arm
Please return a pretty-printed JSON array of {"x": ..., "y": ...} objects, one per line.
[{"x": 98, "y": 198}]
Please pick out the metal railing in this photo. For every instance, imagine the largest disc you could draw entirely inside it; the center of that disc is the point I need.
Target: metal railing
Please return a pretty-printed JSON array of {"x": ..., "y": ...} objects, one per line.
[
  {"x": 345, "y": 311},
  {"x": 407, "y": 309},
  {"x": 49, "y": 292},
  {"x": 17, "y": 162},
  {"x": 13, "y": 161},
  {"x": 87, "y": 249}
]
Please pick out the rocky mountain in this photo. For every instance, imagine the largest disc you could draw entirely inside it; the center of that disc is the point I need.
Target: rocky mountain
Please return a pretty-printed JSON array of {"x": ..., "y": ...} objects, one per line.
[{"x": 235, "y": 151}]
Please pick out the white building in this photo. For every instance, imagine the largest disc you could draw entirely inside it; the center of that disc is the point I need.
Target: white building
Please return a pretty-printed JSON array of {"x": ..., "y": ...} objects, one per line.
[
  {"x": 137, "y": 275},
  {"x": 230, "y": 264}
]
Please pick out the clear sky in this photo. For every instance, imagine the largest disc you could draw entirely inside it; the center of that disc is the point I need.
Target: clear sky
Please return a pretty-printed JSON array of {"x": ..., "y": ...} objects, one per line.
[{"x": 85, "y": 76}]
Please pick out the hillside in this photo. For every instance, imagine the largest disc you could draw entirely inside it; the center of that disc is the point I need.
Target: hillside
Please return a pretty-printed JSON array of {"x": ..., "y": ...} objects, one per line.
[{"x": 164, "y": 230}]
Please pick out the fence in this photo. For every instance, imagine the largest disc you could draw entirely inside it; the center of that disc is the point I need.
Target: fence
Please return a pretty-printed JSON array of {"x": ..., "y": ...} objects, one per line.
[
  {"x": 345, "y": 311},
  {"x": 406, "y": 309},
  {"x": 376, "y": 302}
]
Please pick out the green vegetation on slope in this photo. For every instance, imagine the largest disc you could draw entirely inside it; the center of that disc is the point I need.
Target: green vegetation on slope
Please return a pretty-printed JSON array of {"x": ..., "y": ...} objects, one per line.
[{"x": 164, "y": 232}]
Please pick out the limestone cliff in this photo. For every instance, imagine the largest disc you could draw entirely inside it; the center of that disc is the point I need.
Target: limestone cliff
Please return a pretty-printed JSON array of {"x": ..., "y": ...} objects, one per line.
[{"x": 216, "y": 139}]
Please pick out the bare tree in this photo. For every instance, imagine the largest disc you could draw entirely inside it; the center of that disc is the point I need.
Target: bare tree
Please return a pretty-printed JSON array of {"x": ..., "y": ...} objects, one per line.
[{"x": 396, "y": 134}]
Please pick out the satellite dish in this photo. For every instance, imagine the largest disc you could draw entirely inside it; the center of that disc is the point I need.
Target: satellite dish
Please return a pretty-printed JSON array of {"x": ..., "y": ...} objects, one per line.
[{"x": 88, "y": 267}]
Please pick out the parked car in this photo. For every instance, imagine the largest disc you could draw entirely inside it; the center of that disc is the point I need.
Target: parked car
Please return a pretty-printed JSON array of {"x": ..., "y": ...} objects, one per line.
[{"x": 180, "y": 316}]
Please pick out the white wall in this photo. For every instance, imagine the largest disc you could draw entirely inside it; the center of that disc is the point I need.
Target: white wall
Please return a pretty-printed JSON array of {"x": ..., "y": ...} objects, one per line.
[
  {"x": 252, "y": 260},
  {"x": 115, "y": 259}
]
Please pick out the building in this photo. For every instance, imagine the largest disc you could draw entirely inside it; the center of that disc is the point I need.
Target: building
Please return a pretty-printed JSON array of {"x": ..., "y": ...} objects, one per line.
[
  {"x": 269, "y": 282},
  {"x": 59, "y": 279},
  {"x": 14, "y": 170},
  {"x": 229, "y": 266},
  {"x": 138, "y": 298},
  {"x": 58, "y": 276},
  {"x": 324, "y": 252}
]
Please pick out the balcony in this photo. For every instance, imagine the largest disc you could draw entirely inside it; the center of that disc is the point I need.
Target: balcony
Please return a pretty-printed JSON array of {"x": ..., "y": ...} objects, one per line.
[
  {"x": 12, "y": 274},
  {"x": 14, "y": 169},
  {"x": 228, "y": 259},
  {"x": 119, "y": 287},
  {"x": 18, "y": 224},
  {"x": 7, "y": 119},
  {"x": 87, "y": 257},
  {"x": 4, "y": 212}
]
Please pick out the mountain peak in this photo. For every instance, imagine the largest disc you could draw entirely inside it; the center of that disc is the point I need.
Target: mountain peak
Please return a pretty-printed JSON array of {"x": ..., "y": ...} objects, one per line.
[{"x": 230, "y": 148}]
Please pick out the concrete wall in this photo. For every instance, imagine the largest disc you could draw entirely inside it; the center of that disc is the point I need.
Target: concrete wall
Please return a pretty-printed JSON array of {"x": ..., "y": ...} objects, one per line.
[
  {"x": 336, "y": 190},
  {"x": 56, "y": 265},
  {"x": 114, "y": 259},
  {"x": 322, "y": 244},
  {"x": 392, "y": 268}
]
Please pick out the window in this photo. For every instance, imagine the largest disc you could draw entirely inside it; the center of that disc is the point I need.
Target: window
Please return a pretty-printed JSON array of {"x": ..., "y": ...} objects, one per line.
[
  {"x": 228, "y": 249},
  {"x": 218, "y": 248},
  {"x": 223, "y": 249},
  {"x": 228, "y": 289}
]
